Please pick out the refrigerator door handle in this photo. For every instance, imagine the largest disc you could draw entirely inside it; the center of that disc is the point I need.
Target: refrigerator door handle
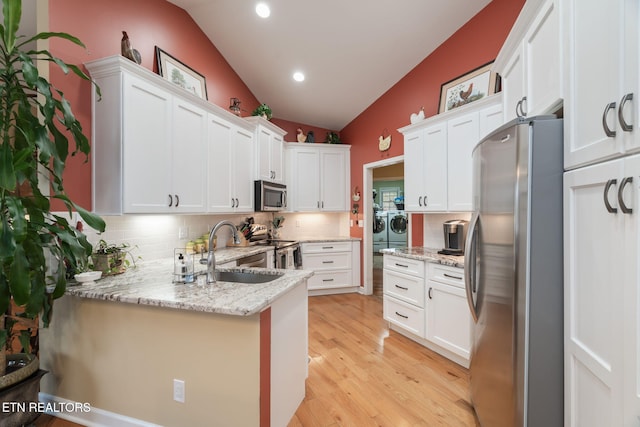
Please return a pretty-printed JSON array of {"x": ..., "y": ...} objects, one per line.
[{"x": 470, "y": 265}]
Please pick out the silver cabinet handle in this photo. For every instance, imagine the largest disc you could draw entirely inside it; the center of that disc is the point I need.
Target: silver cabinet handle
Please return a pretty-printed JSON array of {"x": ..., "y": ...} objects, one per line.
[
  {"x": 607, "y": 131},
  {"x": 233, "y": 203},
  {"x": 425, "y": 201},
  {"x": 452, "y": 277},
  {"x": 327, "y": 262},
  {"x": 606, "y": 196},
  {"x": 519, "y": 106},
  {"x": 170, "y": 200},
  {"x": 420, "y": 201},
  {"x": 626, "y": 127},
  {"x": 430, "y": 296},
  {"x": 402, "y": 265},
  {"x": 327, "y": 280},
  {"x": 322, "y": 204},
  {"x": 402, "y": 315},
  {"x": 623, "y": 184},
  {"x": 470, "y": 265},
  {"x": 401, "y": 287},
  {"x": 318, "y": 203},
  {"x": 177, "y": 200},
  {"x": 237, "y": 203}
]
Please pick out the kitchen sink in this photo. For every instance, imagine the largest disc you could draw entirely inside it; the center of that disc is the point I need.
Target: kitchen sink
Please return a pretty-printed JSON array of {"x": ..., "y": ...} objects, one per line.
[{"x": 243, "y": 277}]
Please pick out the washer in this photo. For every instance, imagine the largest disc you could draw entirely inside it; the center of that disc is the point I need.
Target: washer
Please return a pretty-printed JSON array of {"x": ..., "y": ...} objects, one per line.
[
  {"x": 380, "y": 231},
  {"x": 398, "y": 225}
]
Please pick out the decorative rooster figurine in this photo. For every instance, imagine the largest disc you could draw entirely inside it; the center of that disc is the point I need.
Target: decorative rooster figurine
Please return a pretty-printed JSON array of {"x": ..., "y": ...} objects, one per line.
[
  {"x": 126, "y": 50},
  {"x": 301, "y": 136}
]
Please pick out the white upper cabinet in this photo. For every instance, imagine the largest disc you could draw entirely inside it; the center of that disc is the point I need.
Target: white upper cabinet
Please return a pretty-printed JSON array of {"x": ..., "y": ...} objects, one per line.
[
  {"x": 270, "y": 150},
  {"x": 530, "y": 62},
  {"x": 437, "y": 156},
  {"x": 153, "y": 142},
  {"x": 601, "y": 75},
  {"x": 229, "y": 167},
  {"x": 318, "y": 177}
]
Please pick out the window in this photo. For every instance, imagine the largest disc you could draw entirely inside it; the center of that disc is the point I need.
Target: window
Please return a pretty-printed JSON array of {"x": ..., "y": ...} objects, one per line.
[{"x": 387, "y": 196}]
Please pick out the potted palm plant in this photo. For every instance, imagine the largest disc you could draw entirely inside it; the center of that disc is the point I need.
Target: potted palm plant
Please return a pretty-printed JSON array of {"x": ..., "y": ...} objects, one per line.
[{"x": 39, "y": 248}]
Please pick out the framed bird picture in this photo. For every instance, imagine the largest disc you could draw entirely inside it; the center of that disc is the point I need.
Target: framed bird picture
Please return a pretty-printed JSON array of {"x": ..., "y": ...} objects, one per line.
[{"x": 472, "y": 86}]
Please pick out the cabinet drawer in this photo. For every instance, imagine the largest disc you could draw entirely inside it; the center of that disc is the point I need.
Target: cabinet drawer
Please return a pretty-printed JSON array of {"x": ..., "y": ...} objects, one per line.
[
  {"x": 313, "y": 248},
  {"x": 405, "y": 315},
  {"x": 404, "y": 265},
  {"x": 404, "y": 287},
  {"x": 328, "y": 261},
  {"x": 329, "y": 279},
  {"x": 453, "y": 276}
]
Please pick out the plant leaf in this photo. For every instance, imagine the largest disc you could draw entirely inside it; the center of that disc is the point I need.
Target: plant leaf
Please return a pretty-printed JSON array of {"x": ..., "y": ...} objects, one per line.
[
  {"x": 19, "y": 282},
  {"x": 7, "y": 173},
  {"x": 12, "y": 10},
  {"x": 92, "y": 220}
]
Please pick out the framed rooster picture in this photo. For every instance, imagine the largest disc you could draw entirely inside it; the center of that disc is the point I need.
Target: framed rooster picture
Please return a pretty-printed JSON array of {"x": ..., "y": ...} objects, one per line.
[{"x": 472, "y": 86}]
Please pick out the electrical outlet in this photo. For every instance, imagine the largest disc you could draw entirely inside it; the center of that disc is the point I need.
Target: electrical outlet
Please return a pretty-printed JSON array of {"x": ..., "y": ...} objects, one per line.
[
  {"x": 350, "y": 223},
  {"x": 361, "y": 223},
  {"x": 183, "y": 232},
  {"x": 178, "y": 390}
]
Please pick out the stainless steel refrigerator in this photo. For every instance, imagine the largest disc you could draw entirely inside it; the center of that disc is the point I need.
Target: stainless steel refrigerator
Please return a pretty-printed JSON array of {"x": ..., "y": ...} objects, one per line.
[{"x": 514, "y": 275}]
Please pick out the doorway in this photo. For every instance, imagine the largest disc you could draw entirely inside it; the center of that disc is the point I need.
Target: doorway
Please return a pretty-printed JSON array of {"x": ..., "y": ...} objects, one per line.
[{"x": 370, "y": 218}]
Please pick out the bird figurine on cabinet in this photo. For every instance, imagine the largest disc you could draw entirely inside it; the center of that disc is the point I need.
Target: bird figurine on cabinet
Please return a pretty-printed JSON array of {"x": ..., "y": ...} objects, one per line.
[
  {"x": 301, "y": 136},
  {"x": 415, "y": 118},
  {"x": 127, "y": 51}
]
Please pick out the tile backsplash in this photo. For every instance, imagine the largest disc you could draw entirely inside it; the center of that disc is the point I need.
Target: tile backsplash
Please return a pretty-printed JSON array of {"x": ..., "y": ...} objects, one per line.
[{"x": 156, "y": 236}]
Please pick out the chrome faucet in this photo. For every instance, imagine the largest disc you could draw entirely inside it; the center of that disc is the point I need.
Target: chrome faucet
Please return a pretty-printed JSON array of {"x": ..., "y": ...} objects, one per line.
[{"x": 211, "y": 258}]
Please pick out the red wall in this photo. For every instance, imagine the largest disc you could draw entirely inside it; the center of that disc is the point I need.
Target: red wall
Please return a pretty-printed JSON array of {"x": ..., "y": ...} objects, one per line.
[
  {"x": 476, "y": 43},
  {"x": 320, "y": 134}
]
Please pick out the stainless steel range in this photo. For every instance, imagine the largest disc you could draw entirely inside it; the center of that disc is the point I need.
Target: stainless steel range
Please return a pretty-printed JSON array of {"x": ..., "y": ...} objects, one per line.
[{"x": 288, "y": 255}]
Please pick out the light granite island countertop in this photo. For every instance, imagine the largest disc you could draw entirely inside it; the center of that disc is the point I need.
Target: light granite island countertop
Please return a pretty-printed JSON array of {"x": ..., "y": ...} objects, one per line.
[
  {"x": 425, "y": 254},
  {"x": 129, "y": 343}
]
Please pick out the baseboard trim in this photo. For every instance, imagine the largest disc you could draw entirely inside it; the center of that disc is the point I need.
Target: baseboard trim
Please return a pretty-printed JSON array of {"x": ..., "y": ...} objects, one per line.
[{"x": 96, "y": 417}]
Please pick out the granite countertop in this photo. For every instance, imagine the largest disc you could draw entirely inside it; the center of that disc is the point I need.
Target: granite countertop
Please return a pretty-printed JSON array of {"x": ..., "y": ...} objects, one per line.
[
  {"x": 151, "y": 283},
  {"x": 426, "y": 254}
]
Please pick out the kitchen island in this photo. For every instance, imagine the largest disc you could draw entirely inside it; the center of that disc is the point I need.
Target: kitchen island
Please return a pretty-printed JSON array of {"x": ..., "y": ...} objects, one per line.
[{"x": 134, "y": 345}]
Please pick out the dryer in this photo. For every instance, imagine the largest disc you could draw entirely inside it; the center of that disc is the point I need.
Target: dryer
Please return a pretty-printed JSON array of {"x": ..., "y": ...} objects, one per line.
[
  {"x": 398, "y": 225},
  {"x": 380, "y": 231}
]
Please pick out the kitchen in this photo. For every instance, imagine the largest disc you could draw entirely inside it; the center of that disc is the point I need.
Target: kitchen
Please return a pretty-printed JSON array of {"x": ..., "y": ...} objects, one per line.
[{"x": 364, "y": 129}]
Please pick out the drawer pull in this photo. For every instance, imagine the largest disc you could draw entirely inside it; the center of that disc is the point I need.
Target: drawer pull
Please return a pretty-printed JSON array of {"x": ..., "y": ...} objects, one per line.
[
  {"x": 452, "y": 277},
  {"x": 402, "y": 265},
  {"x": 327, "y": 247},
  {"x": 327, "y": 262},
  {"x": 327, "y": 280},
  {"x": 402, "y": 315},
  {"x": 401, "y": 287}
]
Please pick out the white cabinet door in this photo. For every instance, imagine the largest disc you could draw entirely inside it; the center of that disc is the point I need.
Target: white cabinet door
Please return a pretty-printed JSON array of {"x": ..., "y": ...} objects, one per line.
[
  {"x": 594, "y": 272},
  {"x": 146, "y": 132},
  {"x": 265, "y": 172},
  {"x": 491, "y": 118},
  {"x": 333, "y": 179},
  {"x": 463, "y": 135},
  {"x": 306, "y": 195},
  {"x": 277, "y": 158},
  {"x": 413, "y": 171},
  {"x": 242, "y": 184},
  {"x": 594, "y": 70},
  {"x": 434, "y": 167},
  {"x": 189, "y": 157},
  {"x": 448, "y": 321},
  {"x": 513, "y": 85},
  {"x": 542, "y": 48},
  {"x": 219, "y": 165}
]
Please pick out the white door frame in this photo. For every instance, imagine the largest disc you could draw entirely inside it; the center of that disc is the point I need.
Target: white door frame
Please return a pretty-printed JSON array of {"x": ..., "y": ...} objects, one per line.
[{"x": 367, "y": 209}]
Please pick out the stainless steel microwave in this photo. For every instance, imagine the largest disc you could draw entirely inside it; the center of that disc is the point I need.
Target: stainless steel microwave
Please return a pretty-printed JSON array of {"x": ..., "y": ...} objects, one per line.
[{"x": 270, "y": 196}]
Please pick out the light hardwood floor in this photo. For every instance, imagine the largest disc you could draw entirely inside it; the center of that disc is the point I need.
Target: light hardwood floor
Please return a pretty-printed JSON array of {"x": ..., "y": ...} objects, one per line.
[{"x": 361, "y": 374}]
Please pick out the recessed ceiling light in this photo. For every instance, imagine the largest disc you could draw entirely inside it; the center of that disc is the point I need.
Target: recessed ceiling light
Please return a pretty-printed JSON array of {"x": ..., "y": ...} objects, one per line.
[
  {"x": 263, "y": 11},
  {"x": 298, "y": 76}
]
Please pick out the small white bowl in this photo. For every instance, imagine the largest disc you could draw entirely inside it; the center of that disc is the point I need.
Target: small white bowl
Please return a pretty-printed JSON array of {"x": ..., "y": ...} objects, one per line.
[{"x": 88, "y": 276}]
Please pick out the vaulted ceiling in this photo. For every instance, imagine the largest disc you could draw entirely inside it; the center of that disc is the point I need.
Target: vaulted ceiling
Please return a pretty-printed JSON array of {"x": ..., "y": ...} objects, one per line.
[{"x": 351, "y": 51}]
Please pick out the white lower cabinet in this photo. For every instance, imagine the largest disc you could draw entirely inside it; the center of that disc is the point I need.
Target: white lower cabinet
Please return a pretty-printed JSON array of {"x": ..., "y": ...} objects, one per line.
[
  {"x": 336, "y": 266},
  {"x": 426, "y": 302},
  {"x": 601, "y": 299},
  {"x": 448, "y": 318}
]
